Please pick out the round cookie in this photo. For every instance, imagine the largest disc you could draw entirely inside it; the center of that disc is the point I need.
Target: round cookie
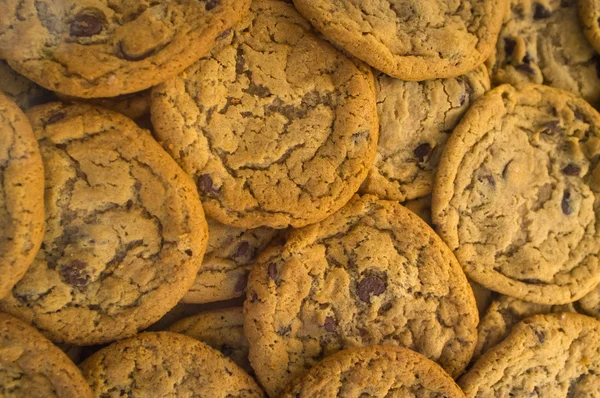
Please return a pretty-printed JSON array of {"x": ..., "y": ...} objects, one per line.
[
  {"x": 227, "y": 261},
  {"x": 554, "y": 355},
  {"x": 31, "y": 366},
  {"x": 22, "y": 91},
  {"x": 125, "y": 231},
  {"x": 165, "y": 364},
  {"x": 589, "y": 14},
  {"x": 517, "y": 194},
  {"x": 355, "y": 279},
  {"x": 411, "y": 39},
  {"x": 503, "y": 314},
  {"x": 222, "y": 330},
  {"x": 375, "y": 371},
  {"x": 543, "y": 42},
  {"x": 415, "y": 121},
  {"x": 108, "y": 48},
  {"x": 277, "y": 128},
  {"x": 21, "y": 195},
  {"x": 134, "y": 105}
]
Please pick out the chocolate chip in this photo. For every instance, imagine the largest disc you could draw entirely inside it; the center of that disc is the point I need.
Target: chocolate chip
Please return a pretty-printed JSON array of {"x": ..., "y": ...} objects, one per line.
[
  {"x": 371, "y": 285},
  {"x": 272, "y": 271},
  {"x": 541, "y": 336},
  {"x": 509, "y": 46},
  {"x": 241, "y": 283},
  {"x": 330, "y": 324},
  {"x": 551, "y": 127},
  {"x": 571, "y": 170},
  {"x": 205, "y": 184},
  {"x": 210, "y": 4},
  {"x": 578, "y": 115},
  {"x": 385, "y": 308},
  {"x": 525, "y": 67},
  {"x": 242, "y": 249},
  {"x": 224, "y": 34},
  {"x": 87, "y": 23},
  {"x": 254, "y": 298},
  {"x": 74, "y": 274},
  {"x": 129, "y": 204},
  {"x": 541, "y": 12},
  {"x": 422, "y": 151},
  {"x": 490, "y": 180},
  {"x": 565, "y": 204},
  {"x": 283, "y": 331},
  {"x": 189, "y": 252},
  {"x": 532, "y": 281},
  {"x": 57, "y": 117}
]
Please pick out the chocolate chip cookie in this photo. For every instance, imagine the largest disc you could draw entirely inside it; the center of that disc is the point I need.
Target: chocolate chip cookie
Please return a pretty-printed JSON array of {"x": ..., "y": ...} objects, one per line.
[
  {"x": 108, "y": 48},
  {"x": 410, "y": 39},
  {"x": 375, "y": 371},
  {"x": 543, "y": 42},
  {"x": 227, "y": 261},
  {"x": 373, "y": 273},
  {"x": 415, "y": 121},
  {"x": 589, "y": 14},
  {"x": 555, "y": 355},
  {"x": 125, "y": 231},
  {"x": 223, "y": 330},
  {"x": 21, "y": 90},
  {"x": 21, "y": 196},
  {"x": 277, "y": 128},
  {"x": 31, "y": 366},
  {"x": 165, "y": 364},
  {"x": 134, "y": 105},
  {"x": 517, "y": 194}
]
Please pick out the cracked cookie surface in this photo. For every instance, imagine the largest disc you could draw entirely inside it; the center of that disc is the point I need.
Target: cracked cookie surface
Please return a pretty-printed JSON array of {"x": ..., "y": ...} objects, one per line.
[
  {"x": 375, "y": 371},
  {"x": 555, "y": 355},
  {"x": 373, "y": 273},
  {"x": 410, "y": 39},
  {"x": 166, "y": 364},
  {"x": 543, "y": 42},
  {"x": 21, "y": 90},
  {"x": 125, "y": 231},
  {"x": 277, "y": 128},
  {"x": 415, "y": 121},
  {"x": 517, "y": 194},
  {"x": 31, "y": 366},
  {"x": 222, "y": 330},
  {"x": 105, "y": 48},
  {"x": 21, "y": 196},
  {"x": 227, "y": 261}
]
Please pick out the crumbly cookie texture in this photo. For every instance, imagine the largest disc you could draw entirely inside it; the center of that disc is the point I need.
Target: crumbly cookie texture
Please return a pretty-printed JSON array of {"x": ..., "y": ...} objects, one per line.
[
  {"x": 543, "y": 42},
  {"x": 589, "y": 15},
  {"x": 105, "y": 48},
  {"x": 134, "y": 105},
  {"x": 222, "y": 329},
  {"x": 21, "y": 90},
  {"x": 410, "y": 39},
  {"x": 31, "y": 366},
  {"x": 166, "y": 364},
  {"x": 21, "y": 196},
  {"x": 415, "y": 121},
  {"x": 227, "y": 262},
  {"x": 277, "y": 128},
  {"x": 373, "y": 273},
  {"x": 517, "y": 194},
  {"x": 125, "y": 231},
  {"x": 555, "y": 355},
  {"x": 375, "y": 371}
]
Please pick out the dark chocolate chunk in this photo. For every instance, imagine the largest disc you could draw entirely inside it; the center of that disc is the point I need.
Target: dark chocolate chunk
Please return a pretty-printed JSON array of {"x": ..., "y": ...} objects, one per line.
[
  {"x": 371, "y": 285},
  {"x": 87, "y": 23},
  {"x": 74, "y": 274},
  {"x": 541, "y": 336},
  {"x": 224, "y": 34},
  {"x": 189, "y": 252},
  {"x": 57, "y": 117},
  {"x": 551, "y": 127},
  {"x": 509, "y": 46},
  {"x": 422, "y": 152},
  {"x": 330, "y": 324},
  {"x": 241, "y": 283},
  {"x": 571, "y": 170},
  {"x": 541, "y": 12},
  {"x": 242, "y": 249},
  {"x": 385, "y": 308},
  {"x": 205, "y": 184},
  {"x": 565, "y": 204},
  {"x": 272, "y": 271},
  {"x": 210, "y": 4}
]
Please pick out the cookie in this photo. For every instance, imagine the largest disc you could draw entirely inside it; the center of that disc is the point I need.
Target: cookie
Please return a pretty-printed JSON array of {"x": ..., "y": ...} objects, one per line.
[
  {"x": 277, "y": 128},
  {"x": 21, "y": 90},
  {"x": 415, "y": 121},
  {"x": 517, "y": 194},
  {"x": 165, "y": 364},
  {"x": 375, "y": 371},
  {"x": 227, "y": 261},
  {"x": 21, "y": 197},
  {"x": 589, "y": 15},
  {"x": 134, "y": 105},
  {"x": 222, "y": 330},
  {"x": 373, "y": 273},
  {"x": 590, "y": 303},
  {"x": 105, "y": 49},
  {"x": 503, "y": 314},
  {"x": 413, "y": 39},
  {"x": 31, "y": 366},
  {"x": 554, "y": 355},
  {"x": 125, "y": 231},
  {"x": 543, "y": 42}
]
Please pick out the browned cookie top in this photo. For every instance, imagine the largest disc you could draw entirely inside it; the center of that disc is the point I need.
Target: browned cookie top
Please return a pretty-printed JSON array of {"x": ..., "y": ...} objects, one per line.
[
  {"x": 104, "y": 48},
  {"x": 125, "y": 230},
  {"x": 277, "y": 127},
  {"x": 373, "y": 273}
]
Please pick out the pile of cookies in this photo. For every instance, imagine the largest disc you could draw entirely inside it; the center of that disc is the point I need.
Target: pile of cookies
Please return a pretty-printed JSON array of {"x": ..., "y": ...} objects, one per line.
[{"x": 317, "y": 198}]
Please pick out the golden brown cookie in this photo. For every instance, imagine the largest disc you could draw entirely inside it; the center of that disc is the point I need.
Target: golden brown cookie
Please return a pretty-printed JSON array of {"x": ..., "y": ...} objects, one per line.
[
  {"x": 125, "y": 231},
  {"x": 277, "y": 128},
  {"x": 101, "y": 48},
  {"x": 21, "y": 195},
  {"x": 21, "y": 90},
  {"x": 373, "y": 273},
  {"x": 589, "y": 15}
]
